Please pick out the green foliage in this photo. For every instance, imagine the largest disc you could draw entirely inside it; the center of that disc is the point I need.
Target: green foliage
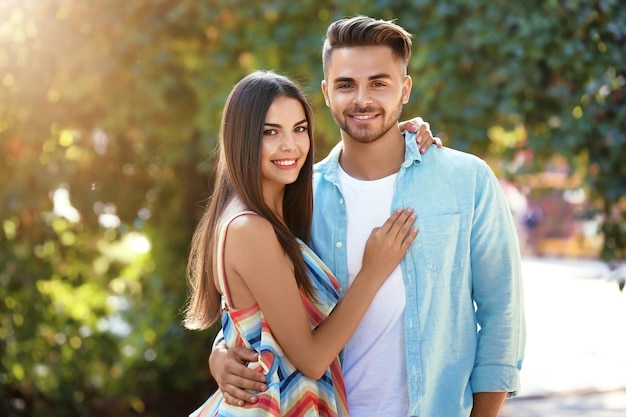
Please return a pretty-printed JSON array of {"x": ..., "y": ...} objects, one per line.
[
  {"x": 97, "y": 101},
  {"x": 112, "y": 109},
  {"x": 555, "y": 69}
]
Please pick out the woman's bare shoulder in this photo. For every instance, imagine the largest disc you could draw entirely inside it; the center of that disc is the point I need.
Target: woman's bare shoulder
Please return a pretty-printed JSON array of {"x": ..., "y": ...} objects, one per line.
[{"x": 250, "y": 230}]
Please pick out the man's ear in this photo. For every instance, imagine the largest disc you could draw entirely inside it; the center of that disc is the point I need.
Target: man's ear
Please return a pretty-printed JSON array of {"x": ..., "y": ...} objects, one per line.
[
  {"x": 406, "y": 89},
  {"x": 325, "y": 92}
]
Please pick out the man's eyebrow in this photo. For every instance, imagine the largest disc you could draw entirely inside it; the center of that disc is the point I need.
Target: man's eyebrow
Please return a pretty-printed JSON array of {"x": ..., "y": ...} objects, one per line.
[
  {"x": 371, "y": 77},
  {"x": 378, "y": 76}
]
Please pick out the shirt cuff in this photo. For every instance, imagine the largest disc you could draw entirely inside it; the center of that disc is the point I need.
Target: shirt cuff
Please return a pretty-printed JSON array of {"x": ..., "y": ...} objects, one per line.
[{"x": 496, "y": 378}]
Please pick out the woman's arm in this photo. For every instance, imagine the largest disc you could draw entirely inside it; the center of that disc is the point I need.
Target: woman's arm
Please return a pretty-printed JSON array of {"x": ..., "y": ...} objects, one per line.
[{"x": 257, "y": 271}]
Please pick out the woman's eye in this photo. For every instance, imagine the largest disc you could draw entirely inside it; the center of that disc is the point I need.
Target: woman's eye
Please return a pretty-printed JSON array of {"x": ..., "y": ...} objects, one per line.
[
  {"x": 269, "y": 132},
  {"x": 302, "y": 129}
]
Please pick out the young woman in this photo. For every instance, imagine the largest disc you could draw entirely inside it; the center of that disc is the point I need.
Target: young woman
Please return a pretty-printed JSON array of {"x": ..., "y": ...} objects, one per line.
[{"x": 250, "y": 265}]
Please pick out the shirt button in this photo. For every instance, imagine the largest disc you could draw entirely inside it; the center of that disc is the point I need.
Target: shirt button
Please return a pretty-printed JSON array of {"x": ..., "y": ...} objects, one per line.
[
  {"x": 341, "y": 201},
  {"x": 339, "y": 244}
]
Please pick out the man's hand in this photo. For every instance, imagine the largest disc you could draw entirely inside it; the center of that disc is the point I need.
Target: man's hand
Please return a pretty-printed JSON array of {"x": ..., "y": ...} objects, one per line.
[
  {"x": 422, "y": 132},
  {"x": 233, "y": 377}
]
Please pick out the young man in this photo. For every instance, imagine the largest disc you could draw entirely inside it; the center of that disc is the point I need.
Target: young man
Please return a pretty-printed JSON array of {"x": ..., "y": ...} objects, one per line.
[{"x": 445, "y": 334}]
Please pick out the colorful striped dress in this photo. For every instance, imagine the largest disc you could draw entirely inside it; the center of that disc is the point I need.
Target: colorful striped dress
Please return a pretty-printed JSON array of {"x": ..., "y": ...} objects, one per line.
[{"x": 289, "y": 392}]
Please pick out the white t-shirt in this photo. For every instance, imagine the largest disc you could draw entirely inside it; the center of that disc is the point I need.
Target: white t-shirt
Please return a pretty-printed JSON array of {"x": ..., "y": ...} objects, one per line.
[{"x": 374, "y": 362}]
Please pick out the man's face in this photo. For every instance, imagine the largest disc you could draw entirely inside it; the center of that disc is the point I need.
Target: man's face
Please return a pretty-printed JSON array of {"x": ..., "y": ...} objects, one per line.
[{"x": 365, "y": 89}]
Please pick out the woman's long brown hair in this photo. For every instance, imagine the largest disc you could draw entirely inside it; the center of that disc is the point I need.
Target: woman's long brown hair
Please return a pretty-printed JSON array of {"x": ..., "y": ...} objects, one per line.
[{"x": 239, "y": 173}]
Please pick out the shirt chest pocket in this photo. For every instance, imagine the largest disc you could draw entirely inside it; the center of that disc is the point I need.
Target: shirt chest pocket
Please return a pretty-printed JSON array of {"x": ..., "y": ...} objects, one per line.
[{"x": 445, "y": 242}]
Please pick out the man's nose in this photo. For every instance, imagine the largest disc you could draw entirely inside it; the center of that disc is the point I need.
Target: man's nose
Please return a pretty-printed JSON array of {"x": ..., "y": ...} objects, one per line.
[{"x": 362, "y": 97}]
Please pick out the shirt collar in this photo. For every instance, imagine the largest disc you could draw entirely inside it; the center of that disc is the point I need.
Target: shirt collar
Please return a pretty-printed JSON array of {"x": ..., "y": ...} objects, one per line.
[
  {"x": 329, "y": 166},
  {"x": 411, "y": 151}
]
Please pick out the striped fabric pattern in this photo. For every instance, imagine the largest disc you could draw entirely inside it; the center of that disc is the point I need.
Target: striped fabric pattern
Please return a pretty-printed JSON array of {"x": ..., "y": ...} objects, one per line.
[{"x": 289, "y": 392}]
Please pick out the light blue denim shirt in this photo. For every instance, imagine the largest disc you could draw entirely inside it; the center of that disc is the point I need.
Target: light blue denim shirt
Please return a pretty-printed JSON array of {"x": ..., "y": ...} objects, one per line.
[{"x": 462, "y": 273}]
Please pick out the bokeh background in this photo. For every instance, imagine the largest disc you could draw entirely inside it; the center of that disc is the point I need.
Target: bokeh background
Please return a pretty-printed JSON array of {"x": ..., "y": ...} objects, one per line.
[{"x": 109, "y": 116}]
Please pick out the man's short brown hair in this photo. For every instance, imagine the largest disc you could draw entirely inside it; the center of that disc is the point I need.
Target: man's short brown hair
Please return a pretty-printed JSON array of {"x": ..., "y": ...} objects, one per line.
[{"x": 366, "y": 31}]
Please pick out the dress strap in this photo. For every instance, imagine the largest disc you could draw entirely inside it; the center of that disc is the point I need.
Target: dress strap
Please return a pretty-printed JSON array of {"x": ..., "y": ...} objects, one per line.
[{"x": 221, "y": 266}]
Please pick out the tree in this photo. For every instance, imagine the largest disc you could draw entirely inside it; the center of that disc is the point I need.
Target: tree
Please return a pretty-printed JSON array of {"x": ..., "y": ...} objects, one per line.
[
  {"x": 96, "y": 105},
  {"x": 553, "y": 71}
]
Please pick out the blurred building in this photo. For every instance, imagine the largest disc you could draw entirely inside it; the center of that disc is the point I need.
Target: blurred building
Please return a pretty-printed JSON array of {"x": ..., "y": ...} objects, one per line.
[{"x": 553, "y": 214}]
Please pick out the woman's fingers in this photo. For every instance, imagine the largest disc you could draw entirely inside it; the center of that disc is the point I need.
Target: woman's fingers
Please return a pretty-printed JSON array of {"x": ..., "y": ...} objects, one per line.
[{"x": 399, "y": 224}]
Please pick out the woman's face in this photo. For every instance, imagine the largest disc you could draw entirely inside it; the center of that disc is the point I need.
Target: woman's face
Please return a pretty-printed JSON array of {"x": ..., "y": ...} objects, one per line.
[{"x": 285, "y": 142}]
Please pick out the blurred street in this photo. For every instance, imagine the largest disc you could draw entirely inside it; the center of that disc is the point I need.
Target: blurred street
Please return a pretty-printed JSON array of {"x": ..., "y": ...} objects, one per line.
[{"x": 575, "y": 361}]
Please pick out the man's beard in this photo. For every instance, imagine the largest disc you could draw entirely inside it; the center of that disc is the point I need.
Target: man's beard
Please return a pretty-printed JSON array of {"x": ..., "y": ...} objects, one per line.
[{"x": 367, "y": 134}]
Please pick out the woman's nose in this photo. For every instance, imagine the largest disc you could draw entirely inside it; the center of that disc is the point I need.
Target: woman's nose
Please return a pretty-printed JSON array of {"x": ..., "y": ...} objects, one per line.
[{"x": 288, "y": 143}]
